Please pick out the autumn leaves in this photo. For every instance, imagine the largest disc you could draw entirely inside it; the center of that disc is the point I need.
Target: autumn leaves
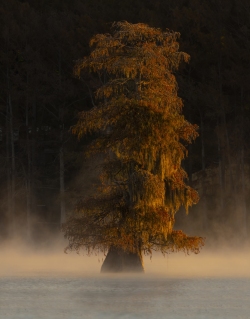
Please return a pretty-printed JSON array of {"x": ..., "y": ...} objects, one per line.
[{"x": 139, "y": 124}]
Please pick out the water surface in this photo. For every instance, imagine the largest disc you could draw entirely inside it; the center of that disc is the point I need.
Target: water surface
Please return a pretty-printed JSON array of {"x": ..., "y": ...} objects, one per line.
[{"x": 67, "y": 296}]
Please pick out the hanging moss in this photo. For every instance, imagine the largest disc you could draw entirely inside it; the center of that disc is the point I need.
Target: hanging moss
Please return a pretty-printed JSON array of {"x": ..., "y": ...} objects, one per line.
[{"x": 142, "y": 130}]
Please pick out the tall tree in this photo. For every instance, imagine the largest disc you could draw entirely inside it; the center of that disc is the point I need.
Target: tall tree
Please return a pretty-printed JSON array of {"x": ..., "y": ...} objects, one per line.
[{"x": 141, "y": 129}]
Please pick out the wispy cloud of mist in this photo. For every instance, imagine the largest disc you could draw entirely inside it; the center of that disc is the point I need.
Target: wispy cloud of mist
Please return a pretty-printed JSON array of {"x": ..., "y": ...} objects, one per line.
[
  {"x": 18, "y": 258},
  {"x": 206, "y": 264}
]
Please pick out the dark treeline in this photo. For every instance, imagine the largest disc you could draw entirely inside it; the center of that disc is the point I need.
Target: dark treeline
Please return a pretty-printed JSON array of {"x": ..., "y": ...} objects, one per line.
[{"x": 40, "y": 98}]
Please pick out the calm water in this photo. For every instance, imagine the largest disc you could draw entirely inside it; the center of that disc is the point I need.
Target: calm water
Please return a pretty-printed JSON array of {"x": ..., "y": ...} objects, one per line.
[{"x": 46, "y": 297}]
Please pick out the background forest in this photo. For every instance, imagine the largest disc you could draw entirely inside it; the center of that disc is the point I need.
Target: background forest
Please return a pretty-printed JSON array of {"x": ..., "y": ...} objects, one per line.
[{"x": 43, "y": 171}]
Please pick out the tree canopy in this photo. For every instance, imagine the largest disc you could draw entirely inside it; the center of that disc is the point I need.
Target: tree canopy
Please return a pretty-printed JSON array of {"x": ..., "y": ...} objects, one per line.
[
  {"x": 40, "y": 99},
  {"x": 140, "y": 128}
]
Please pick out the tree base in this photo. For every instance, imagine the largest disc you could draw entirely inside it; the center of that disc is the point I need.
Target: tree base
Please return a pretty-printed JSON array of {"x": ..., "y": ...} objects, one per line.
[{"x": 117, "y": 260}]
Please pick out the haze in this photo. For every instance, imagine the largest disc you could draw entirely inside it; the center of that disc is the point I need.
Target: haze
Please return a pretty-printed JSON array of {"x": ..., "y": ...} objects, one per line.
[{"x": 18, "y": 258}]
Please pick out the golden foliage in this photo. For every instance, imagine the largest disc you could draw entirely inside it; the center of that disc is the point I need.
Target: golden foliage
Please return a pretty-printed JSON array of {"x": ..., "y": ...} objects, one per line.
[{"x": 141, "y": 129}]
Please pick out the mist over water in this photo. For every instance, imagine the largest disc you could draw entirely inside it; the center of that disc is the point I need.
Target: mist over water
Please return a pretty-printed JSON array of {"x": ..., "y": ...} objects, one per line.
[
  {"x": 20, "y": 258},
  {"x": 47, "y": 283}
]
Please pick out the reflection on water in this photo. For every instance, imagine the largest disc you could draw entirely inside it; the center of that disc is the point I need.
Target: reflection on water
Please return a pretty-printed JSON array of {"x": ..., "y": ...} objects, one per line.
[{"x": 57, "y": 297}]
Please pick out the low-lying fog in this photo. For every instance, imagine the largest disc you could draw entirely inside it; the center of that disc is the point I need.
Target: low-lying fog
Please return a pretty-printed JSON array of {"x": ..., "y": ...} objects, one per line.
[
  {"x": 19, "y": 258},
  {"x": 48, "y": 284}
]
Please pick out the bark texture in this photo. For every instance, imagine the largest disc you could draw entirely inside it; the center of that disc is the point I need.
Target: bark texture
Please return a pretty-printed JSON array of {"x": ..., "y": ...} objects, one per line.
[{"x": 117, "y": 260}]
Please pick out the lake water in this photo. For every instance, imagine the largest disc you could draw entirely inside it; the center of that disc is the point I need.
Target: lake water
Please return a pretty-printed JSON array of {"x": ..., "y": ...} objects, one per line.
[
  {"x": 69, "y": 297},
  {"x": 52, "y": 285}
]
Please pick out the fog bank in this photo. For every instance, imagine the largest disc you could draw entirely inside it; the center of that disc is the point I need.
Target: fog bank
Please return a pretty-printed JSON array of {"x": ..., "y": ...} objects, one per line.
[{"x": 18, "y": 258}]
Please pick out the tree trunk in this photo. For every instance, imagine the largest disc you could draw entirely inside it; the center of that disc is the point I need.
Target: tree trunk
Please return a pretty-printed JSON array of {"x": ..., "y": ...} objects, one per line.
[
  {"x": 203, "y": 163},
  {"x": 224, "y": 125},
  {"x": 190, "y": 164},
  {"x": 62, "y": 186},
  {"x": 242, "y": 168},
  {"x": 61, "y": 150},
  {"x": 221, "y": 170},
  {"x": 8, "y": 169},
  {"x": 13, "y": 164},
  {"x": 33, "y": 160},
  {"x": 10, "y": 147},
  {"x": 117, "y": 260},
  {"x": 29, "y": 176}
]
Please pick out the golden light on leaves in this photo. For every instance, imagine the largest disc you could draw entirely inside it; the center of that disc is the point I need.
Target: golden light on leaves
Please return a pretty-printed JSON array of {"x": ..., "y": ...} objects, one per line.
[{"x": 141, "y": 129}]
